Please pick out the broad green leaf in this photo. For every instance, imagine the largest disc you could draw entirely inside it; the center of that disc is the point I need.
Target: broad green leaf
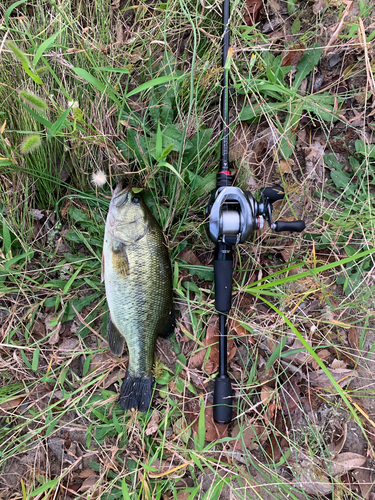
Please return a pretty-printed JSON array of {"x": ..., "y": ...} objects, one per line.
[
  {"x": 44, "y": 46},
  {"x": 171, "y": 167},
  {"x": 7, "y": 241},
  {"x": 59, "y": 123},
  {"x": 32, "y": 75},
  {"x": 10, "y": 10},
  {"x": 159, "y": 143},
  {"x": 104, "y": 89},
  {"x": 37, "y": 117},
  {"x": 308, "y": 62},
  {"x": 296, "y": 26},
  {"x": 152, "y": 83},
  {"x": 113, "y": 70},
  {"x": 124, "y": 489},
  {"x": 35, "y": 362},
  {"x": 46, "y": 486}
]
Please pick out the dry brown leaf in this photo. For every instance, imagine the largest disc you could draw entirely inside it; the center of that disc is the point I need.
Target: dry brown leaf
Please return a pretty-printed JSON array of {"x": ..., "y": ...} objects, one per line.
[
  {"x": 10, "y": 404},
  {"x": 315, "y": 161},
  {"x": 286, "y": 253},
  {"x": 342, "y": 376},
  {"x": 353, "y": 338},
  {"x": 346, "y": 462},
  {"x": 286, "y": 166},
  {"x": 88, "y": 483},
  {"x": 54, "y": 338},
  {"x": 211, "y": 341},
  {"x": 313, "y": 481},
  {"x": 338, "y": 363},
  {"x": 364, "y": 476},
  {"x": 113, "y": 377},
  {"x": 214, "y": 431},
  {"x": 337, "y": 444},
  {"x": 250, "y": 437},
  {"x": 323, "y": 354},
  {"x": 190, "y": 258},
  {"x": 253, "y": 8},
  {"x": 266, "y": 394},
  {"x": 292, "y": 56},
  {"x": 319, "y": 6},
  {"x": 153, "y": 424},
  {"x": 299, "y": 357},
  {"x": 86, "y": 473}
]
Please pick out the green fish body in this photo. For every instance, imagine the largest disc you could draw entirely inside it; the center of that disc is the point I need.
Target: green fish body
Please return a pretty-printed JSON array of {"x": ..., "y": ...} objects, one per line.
[{"x": 138, "y": 284}]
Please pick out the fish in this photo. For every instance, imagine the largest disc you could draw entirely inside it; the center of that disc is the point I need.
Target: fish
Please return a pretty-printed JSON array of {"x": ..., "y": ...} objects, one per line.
[{"x": 137, "y": 272}]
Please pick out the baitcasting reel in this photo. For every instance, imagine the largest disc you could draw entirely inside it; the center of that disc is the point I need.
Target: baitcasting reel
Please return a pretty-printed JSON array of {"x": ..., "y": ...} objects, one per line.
[{"x": 232, "y": 216}]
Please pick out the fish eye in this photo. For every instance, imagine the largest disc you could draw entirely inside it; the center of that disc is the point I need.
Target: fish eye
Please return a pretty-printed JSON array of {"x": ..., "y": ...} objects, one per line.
[{"x": 136, "y": 200}]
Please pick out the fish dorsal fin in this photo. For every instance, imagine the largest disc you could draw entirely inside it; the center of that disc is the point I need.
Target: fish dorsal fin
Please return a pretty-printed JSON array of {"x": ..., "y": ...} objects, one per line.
[
  {"x": 120, "y": 260},
  {"x": 115, "y": 340}
]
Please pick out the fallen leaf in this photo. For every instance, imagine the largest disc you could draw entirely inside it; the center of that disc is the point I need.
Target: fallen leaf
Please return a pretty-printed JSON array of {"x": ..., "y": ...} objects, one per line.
[
  {"x": 113, "y": 377},
  {"x": 312, "y": 480},
  {"x": 300, "y": 357},
  {"x": 211, "y": 341},
  {"x": 292, "y": 56},
  {"x": 364, "y": 476},
  {"x": 314, "y": 157},
  {"x": 51, "y": 318},
  {"x": 249, "y": 438},
  {"x": 11, "y": 404},
  {"x": 182, "y": 429},
  {"x": 153, "y": 424},
  {"x": 190, "y": 258},
  {"x": 337, "y": 444},
  {"x": 323, "y": 354},
  {"x": 353, "y": 338},
  {"x": 252, "y": 11},
  {"x": 266, "y": 394},
  {"x": 338, "y": 363},
  {"x": 86, "y": 473},
  {"x": 345, "y": 462},
  {"x": 88, "y": 483},
  {"x": 342, "y": 376},
  {"x": 319, "y": 6},
  {"x": 214, "y": 431}
]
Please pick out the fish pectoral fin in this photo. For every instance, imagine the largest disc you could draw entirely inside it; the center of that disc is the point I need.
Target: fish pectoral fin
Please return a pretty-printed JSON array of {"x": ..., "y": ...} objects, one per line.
[
  {"x": 120, "y": 260},
  {"x": 115, "y": 340}
]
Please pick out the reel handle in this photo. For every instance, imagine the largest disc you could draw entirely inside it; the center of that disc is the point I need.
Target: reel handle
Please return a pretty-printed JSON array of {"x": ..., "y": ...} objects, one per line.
[{"x": 296, "y": 225}]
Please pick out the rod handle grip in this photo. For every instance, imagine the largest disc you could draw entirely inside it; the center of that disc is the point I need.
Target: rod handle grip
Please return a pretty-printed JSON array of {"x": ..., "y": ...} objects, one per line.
[
  {"x": 223, "y": 408},
  {"x": 223, "y": 272}
]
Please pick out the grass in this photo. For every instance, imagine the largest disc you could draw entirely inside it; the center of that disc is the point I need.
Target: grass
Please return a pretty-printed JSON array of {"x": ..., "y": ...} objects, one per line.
[{"x": 134, "y": 90}]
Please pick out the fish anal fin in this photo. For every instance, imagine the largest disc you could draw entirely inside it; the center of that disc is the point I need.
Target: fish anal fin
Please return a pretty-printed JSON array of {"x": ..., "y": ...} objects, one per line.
[
  {"x": 115, "y": 340},
  {"x": 120, "y": 260}
]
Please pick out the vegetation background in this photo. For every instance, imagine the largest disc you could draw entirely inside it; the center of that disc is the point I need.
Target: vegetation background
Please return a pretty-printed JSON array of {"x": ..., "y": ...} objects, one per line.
[{"x": 132, "y": 88}]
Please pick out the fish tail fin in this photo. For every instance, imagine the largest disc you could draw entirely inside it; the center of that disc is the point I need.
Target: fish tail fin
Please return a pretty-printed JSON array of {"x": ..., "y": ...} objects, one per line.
[{"x": 136, "y": 392}]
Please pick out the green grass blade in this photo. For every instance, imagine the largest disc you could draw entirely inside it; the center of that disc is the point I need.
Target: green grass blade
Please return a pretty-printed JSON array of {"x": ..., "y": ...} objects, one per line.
[
  {"x": 10, "y": 10},
  {"x": 153, "y": 83},
  {"x": 44, "y": 46}
]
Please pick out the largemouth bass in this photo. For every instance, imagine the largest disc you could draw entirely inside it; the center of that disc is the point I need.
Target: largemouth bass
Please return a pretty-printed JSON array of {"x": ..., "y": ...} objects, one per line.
[{"x": 138, "y": 283}]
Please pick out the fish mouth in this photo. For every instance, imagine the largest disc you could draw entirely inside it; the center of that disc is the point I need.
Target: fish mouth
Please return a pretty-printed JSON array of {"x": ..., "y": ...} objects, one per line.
[{"x": 120, "y": 195}]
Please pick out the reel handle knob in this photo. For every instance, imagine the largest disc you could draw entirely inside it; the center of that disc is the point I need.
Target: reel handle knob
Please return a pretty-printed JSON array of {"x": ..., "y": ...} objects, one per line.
[{"x": 296, "y": 225}]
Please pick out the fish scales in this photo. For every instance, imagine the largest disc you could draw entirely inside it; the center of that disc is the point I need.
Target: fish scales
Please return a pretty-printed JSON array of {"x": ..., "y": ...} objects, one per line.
[{"x": 138, "y": 281}]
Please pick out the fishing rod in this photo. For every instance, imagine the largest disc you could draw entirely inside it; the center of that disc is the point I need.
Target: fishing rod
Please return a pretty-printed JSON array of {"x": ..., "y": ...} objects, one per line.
[{"x": 232, "y": 215}]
